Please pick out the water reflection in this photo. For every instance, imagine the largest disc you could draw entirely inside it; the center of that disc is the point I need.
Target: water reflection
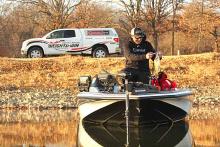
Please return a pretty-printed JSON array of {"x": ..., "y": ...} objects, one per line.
[
  {"x": 58, "y": 128},
  {"x": 166, "y": 135},
  {"x": 205, "y": 126},
  {"x": 38, "y": 128}
]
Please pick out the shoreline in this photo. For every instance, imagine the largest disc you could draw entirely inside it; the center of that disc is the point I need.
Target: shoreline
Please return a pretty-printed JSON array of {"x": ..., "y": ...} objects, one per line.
[
  {"x": 52, "y": 82},
  {"x": 31, "y": 98}
]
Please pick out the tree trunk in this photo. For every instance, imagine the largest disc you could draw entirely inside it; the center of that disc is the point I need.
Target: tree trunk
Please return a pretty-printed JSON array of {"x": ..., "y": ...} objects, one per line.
[
  {"x": 155, "y": 34},
  {"x": 155, "y": 39},
  {"x": 216, "y": 45},
  {"x": 173, "y": 27},
  {"x": 173, "y": 39}
]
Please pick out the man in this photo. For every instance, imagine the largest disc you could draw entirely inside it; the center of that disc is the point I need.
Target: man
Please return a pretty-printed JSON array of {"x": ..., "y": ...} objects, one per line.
[{"x": 138, "y": 51}]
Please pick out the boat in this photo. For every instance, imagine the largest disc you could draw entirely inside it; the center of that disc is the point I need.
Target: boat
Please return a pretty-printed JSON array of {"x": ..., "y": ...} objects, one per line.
[
  {"x": 177, "y": 134},
  {"x": 109, "y": 99}
]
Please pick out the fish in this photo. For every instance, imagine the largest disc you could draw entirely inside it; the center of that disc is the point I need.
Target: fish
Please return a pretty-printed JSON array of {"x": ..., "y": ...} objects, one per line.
[{"x": 156, "y": 65}]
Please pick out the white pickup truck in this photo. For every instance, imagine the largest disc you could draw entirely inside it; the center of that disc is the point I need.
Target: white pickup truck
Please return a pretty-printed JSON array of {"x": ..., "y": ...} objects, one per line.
[{"x": 98, "y": 42}]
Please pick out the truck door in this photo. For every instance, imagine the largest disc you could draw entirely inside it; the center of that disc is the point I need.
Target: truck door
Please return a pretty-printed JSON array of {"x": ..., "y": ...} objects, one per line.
[
  {"x": 56, "y": 42},
  {"x": 63, "y": 41},
  {"x": 73, "y": 41}
]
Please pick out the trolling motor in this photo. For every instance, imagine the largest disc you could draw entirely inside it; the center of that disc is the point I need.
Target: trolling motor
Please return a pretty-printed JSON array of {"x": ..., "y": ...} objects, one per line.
[
  {"x": 127, "y": 110},
  {"x": 128, "y": 90}
]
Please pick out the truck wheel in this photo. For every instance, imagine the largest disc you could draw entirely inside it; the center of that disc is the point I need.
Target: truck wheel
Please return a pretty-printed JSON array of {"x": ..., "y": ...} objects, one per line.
[
  {"x": 35, "y": 52},
  {"x": 100, "y": 52}
]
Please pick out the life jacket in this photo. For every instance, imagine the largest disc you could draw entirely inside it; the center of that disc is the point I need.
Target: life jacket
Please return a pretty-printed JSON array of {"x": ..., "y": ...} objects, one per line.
[
  {"x": 165, "y": 83},
  {"x": 155, "y": 82}
]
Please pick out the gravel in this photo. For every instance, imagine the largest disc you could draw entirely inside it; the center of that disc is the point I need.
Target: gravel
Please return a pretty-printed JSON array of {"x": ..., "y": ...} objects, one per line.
[
  {"x": 12, "y": 98},
  {"x": 39, "y": 99}
]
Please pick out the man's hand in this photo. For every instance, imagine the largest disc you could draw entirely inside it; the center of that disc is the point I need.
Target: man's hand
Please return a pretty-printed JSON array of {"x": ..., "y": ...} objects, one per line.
[{"x": 149, "y": 55}]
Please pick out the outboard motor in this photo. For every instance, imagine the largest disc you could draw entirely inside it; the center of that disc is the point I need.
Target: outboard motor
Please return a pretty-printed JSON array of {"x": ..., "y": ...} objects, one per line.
[{"x": 106, "y": 81}]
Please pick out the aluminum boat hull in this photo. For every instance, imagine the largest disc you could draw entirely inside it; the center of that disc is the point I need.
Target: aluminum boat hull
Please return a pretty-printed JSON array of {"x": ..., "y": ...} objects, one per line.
[{"x": 158, "y": 107}]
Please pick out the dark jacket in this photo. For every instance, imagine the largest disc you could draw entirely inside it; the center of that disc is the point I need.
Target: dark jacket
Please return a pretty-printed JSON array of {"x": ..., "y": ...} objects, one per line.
[{"x": 136, "y": 55}]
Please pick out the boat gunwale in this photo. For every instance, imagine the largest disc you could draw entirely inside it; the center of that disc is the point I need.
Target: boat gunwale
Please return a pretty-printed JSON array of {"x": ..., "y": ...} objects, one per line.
[{"x": 122, "y": 96}]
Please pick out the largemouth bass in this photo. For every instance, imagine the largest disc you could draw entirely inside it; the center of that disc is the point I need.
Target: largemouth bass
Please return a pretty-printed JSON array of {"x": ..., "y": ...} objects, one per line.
[{"x": 156, "y": 65}]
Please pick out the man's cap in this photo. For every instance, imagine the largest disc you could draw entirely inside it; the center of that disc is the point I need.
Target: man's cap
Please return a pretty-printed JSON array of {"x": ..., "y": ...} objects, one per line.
[{"x": 137, "y": 31}]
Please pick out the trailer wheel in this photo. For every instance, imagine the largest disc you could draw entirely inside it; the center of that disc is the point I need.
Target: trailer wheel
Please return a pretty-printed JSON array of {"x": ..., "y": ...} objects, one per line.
[
  {"x": 100, "y": 52},
  {"x": 35, "y": 52}
]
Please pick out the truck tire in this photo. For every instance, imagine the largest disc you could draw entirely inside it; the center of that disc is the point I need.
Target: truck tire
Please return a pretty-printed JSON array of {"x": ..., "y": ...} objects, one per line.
[
  {"x": 35, "y": 52},
  {"x": 100, "y": 52}
]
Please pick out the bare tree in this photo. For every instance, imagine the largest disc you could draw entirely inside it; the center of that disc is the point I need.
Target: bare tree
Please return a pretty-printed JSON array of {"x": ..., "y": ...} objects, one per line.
[
  {"x": 175, "y": 7},
  {"x": 214, "y": 3},
  {"x": 215, "y": 32},
  {"x": 93, "y": 14},
  {"x": 52, "y": 14},
  {"x": 15, "y": 27},
  {"x": 216, "y": 35},
  {"x": 151, "y": 15},
  {"x": 4, "y": 38},
  {"x": 192, "y": 20},
  {"x": 131, "y": 14},
  {"x": 156, "y": 13}
]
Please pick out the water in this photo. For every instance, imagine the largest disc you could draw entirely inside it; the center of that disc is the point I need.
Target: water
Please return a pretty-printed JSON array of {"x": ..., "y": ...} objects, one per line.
[
  {"x": 61, "y": 128},
  {"x": 50, "y": 128}
]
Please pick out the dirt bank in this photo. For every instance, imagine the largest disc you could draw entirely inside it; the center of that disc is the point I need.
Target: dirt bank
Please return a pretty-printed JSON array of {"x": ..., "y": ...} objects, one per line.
[{"x": 53, "y": 81}]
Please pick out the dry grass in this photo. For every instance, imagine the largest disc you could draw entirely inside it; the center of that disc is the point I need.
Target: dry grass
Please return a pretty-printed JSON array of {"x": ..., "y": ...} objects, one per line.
[
  {"x": 63, "y": 72},
  {"x": 60, "y": 72}
]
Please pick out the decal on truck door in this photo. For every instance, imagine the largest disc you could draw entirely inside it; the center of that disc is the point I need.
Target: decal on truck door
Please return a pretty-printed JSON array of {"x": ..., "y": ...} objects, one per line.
[
  {"x": 63, "y": 45},
  {"x": 80, "y": 49},
  {"x": 87, "y": 48},
  {"x": 37, "y": 41}
]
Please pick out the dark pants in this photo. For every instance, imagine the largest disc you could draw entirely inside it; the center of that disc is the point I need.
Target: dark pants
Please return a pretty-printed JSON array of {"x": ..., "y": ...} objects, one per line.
[{"x": 138, "y": 75}]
